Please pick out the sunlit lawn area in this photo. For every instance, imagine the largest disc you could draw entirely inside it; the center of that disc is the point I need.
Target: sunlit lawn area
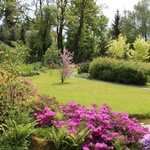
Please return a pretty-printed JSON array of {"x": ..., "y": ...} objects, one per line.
[{"x": 129, "y": 99}]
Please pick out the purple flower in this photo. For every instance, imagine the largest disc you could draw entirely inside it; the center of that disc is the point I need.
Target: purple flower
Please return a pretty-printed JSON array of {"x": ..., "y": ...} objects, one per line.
[
  {"x": 93, "y": 105},
  {"x": 72, "y": 131},
  {"x": 145, "y": 141},
  {"x": 101, "y": 145},
  {"x": 46, "y": 118},
  {"x": 85, "y": 148},
  {"x": 105, "y": 126}
]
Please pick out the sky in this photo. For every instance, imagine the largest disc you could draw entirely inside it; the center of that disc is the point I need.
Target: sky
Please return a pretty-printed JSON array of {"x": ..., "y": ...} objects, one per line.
[{"x": 113, "y": 5}]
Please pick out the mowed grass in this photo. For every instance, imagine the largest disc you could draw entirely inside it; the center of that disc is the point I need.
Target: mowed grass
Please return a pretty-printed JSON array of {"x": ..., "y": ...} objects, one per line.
[{"x": 121, "y": 98}]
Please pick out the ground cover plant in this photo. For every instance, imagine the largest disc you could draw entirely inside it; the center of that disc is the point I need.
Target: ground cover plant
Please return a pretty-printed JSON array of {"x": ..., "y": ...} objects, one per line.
[{"x": 119, "y": 97}]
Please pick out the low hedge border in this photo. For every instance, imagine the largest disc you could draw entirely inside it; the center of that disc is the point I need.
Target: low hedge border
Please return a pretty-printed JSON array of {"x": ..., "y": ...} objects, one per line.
[{"x": 120, "y": 71}]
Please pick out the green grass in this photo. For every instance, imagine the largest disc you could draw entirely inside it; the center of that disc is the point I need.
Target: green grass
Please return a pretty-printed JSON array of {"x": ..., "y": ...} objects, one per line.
[{"x": 121, "y": 98}]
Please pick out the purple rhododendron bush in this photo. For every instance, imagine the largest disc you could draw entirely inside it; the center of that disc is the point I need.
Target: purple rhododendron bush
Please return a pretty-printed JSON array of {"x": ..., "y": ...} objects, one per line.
[{"x": 107, "y": 130}]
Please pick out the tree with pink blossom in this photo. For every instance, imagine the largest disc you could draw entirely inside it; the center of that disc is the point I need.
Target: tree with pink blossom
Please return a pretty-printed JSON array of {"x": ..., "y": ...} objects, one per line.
[{"x": 66, "y": 58}]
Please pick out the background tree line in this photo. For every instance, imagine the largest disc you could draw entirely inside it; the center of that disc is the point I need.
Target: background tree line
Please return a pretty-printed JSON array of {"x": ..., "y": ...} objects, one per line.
[{"x": 46, "y": 26}]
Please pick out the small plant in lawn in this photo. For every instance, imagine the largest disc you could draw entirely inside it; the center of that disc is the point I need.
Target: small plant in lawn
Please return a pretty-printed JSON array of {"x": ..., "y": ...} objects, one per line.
[{"x": 66, "y": 58}]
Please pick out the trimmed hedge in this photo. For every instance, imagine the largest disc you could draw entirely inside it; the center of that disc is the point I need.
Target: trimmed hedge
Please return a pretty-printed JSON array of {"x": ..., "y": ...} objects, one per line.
[{"x": 121, "y": 71}]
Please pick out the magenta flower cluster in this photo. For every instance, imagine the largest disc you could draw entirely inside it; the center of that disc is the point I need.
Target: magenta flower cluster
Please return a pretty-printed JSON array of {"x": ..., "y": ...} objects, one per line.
[
  {"x": 105, "y": 125},
  {"x": 46, "y": 118}
]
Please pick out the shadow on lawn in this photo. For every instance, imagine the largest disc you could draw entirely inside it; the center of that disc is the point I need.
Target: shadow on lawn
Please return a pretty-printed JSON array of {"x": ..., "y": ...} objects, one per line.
[{"x": 60, "y": 84}]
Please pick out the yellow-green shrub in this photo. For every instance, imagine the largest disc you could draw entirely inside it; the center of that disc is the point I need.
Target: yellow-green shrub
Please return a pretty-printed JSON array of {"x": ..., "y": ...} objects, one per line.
[
  {"x": 141, "y": 50},
  {"x": 118, "y": 48},
  {"x": 14, "y": 90}
]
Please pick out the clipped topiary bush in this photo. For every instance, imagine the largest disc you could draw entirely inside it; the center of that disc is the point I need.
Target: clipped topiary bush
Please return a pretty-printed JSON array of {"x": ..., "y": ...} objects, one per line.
[{"x": 121, "y": 71}]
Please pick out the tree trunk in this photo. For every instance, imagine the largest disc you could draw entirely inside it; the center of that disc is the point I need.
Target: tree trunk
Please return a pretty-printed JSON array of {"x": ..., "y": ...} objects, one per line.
[
  {"x": 78, "y": 35},
  {"x": 61, "y": 25}
]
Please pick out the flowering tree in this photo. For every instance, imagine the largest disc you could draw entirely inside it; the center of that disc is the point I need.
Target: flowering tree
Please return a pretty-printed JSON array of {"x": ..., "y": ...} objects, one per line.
[{"x": 66, "y": 58}]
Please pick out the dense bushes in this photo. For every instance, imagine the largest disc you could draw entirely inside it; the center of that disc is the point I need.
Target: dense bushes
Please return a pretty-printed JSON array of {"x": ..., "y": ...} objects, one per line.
[
  {"x": 120, "y": 71},
  {"x": 83, "y": 67}
]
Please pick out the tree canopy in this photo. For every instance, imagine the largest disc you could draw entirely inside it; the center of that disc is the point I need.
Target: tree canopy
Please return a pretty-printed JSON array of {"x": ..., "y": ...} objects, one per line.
[{"x": 78, "y": 25}]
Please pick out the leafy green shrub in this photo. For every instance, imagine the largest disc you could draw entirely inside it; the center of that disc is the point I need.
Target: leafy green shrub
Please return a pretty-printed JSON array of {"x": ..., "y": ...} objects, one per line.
[
  {"x": 120, "y": 71},
  {"x": 52, "y": 55},
  {"x": 15, "y": 54},
  {"x": 30, "y": 70},
  {"x": 62, "y": 139},
  {"x": 83, "y": 67}
]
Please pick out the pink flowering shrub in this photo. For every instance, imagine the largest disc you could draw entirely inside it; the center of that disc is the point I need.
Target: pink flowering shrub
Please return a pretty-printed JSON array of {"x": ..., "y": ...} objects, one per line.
[
  {"x": 46, "y": 118},
  {"x": 66, "y": 58},
  {"x": 105, "y": 126}
]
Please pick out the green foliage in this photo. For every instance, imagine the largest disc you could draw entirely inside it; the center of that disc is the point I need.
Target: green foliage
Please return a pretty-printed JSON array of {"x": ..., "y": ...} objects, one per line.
[
  {"x": 33, "y": 41},
  {"x": 83, "y": 67},
  {"x": 116, "y": 29},
  {"x": 141, "y": 52},
  {"x": 31, "y": 69},
  {"x": 22, "y": 50},
  {"x": 15, "y": 135},
  {"x": 64, "y": 140},
  {"x": 52, "y": 55},
  {"x": 43, "y": 132},
  {"x": 83, "y": 24},
  {"x": 40, "y": 39},
  {"x": 136, "y": 22},
  {"x": 118, "y": 48},
  {"x": 11, "y": 59},
  {"x": 21, "y": 115},
  {"x": 119, "y": 71}
]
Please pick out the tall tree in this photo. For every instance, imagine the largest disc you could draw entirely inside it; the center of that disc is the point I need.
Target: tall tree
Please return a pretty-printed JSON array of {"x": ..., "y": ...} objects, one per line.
[
  {"x": 116, "y": 28},
  {"x": 61, "y": 19},
  {"x": 80, "y": 38},
  {"x": 137, "y": 22},
  {"x": 40, "y": 39},
  {"x": 12, "y": 14}
]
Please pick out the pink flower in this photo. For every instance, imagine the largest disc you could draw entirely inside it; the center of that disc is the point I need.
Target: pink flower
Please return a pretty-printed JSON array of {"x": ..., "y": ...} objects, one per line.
[
  {"x": 101, "y": 145},
  {"x": 85, "y": 148},
  {"x": 72, "y": 131}
]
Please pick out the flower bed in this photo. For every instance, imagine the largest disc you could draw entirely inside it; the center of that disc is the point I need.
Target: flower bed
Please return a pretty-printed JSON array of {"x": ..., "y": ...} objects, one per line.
[{"x": 93, "y": 129}]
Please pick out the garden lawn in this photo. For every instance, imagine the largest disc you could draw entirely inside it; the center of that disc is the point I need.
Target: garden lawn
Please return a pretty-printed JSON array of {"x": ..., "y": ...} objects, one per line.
[{"x": 121, "y": 98}]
